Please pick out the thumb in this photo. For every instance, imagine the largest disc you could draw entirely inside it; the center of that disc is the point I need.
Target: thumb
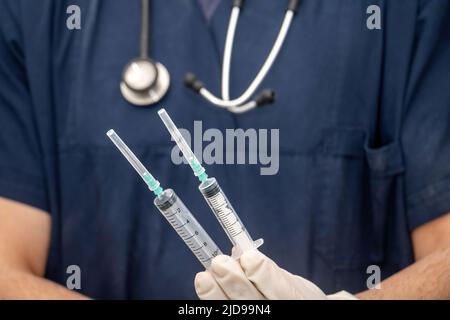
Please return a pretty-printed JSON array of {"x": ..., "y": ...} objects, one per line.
[{"x": 207, "y": 288}]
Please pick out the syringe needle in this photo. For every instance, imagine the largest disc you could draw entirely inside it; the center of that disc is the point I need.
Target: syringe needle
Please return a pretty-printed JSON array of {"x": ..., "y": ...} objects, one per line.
[
  {"x": 190, "y": 157},
  {"x": 152, "y": 183}
]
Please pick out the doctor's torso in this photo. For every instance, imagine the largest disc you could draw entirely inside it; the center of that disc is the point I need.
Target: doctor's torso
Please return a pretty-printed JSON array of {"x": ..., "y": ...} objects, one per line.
[{"x": 340, "y": 90}]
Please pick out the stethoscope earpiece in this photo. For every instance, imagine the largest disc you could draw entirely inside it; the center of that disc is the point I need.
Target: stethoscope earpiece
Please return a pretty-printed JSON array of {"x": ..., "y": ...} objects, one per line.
[
  {"x": 191, "y": 81},
  {"x": 266, "y": 97}
]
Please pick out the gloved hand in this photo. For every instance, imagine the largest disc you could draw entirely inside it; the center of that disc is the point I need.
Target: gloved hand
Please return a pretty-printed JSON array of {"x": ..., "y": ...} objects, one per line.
[{"x": 253, "y": 276}]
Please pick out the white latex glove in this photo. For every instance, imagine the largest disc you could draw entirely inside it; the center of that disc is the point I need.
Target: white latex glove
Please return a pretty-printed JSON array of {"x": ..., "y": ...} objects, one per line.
[{"x": 253, "y": 276}]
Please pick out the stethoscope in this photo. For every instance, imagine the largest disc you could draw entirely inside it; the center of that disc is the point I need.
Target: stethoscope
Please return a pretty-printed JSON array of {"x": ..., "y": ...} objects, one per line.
[{"x": 146, "y": 82}]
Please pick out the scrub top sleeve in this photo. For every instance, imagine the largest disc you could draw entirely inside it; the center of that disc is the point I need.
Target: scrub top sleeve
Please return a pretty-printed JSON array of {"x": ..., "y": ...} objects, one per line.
[
  {"x": 426, "y": 124},
  {"x": 21, "y": 161}
]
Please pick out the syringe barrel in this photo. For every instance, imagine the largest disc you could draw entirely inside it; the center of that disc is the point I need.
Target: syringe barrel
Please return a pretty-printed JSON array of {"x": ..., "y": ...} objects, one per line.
[
  {"x": 225, "y": 213},
  {"x": 187, "y": 227}
]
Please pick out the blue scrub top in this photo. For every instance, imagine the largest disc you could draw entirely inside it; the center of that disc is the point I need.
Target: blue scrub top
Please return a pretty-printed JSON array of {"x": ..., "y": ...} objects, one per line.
[{"x": 364, "y": 136}]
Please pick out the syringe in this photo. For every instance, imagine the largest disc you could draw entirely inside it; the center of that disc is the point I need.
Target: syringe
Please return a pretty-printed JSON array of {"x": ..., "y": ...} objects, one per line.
[
  {"x": 213, "y": 194},
  {"x": 173, "y": 209}
]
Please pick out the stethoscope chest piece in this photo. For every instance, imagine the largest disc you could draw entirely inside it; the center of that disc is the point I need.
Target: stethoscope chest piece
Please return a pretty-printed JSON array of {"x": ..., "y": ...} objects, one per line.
[{"x": 144, "y": 82}]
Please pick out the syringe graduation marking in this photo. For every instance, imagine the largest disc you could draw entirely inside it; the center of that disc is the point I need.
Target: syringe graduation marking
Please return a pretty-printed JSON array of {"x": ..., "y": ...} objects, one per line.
[
  {"x": 197, "y": 245},
  {"x": 226, "y": 215},
  {"x": 172, "y": 208}
]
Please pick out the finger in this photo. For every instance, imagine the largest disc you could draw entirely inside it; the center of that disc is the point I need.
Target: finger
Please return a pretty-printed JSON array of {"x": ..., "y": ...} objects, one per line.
[
  {"x": 274, "y": 282},
  {"x": 231, "y": 278},
  {"x": 235, "y": 251},
  {"x": 265, "y": 275},
  {"x": 207, "y": 288}
]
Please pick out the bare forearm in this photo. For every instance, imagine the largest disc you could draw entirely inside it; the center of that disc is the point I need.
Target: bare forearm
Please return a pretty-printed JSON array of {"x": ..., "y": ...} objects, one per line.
[
  {"x": 22, "y": 285},
  {"x": 428, "y": 278}
]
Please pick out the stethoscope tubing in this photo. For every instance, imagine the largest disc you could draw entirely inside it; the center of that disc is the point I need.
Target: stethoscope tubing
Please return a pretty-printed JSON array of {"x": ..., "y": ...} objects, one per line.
[
  {"x": 268, "y": 63},
  {"x": 243, "y": 103},
  {"x": 142, "y": 93},
  {"x": 229, "y": 41}
]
